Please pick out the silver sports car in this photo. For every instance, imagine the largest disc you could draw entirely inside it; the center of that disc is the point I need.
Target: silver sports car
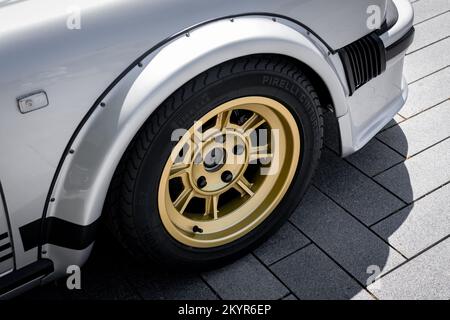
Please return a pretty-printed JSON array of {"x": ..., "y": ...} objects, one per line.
[{"x": 191, "y": 128}]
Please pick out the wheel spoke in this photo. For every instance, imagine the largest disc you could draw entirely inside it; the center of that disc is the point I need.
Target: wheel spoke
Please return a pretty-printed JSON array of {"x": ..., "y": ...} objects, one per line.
[
  {"x": 253, "y": 123},
  {"x": 196, "y": 139},
  {"x": 183, "y": 200},
  {"x": 260, "y": 153},
  {"x": 244, "y": 187},
  {"x": 178, "y": 170},
  {"x": 212, "y": 204},
  {"x": 223, "y": 120}
]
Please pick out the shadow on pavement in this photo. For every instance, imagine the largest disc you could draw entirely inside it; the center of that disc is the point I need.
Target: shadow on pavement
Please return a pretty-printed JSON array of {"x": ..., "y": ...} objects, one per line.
[
  {"x": 346, "y": 216},
  {"x": 112, "y": 274}
]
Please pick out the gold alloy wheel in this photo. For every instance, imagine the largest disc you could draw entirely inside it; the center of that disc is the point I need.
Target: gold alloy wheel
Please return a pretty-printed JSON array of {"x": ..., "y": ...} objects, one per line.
[{"x": 228, "y": 172}]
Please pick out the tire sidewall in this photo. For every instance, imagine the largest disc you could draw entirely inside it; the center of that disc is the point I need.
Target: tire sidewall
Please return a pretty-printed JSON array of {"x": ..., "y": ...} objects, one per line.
[{"x": 280, "y": 87}]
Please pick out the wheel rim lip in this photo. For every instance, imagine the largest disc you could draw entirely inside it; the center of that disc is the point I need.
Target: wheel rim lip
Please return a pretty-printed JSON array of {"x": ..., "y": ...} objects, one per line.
[{"x": 240, "y": 224}]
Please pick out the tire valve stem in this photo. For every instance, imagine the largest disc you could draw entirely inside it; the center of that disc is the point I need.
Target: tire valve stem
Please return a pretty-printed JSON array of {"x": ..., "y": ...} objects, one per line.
[{"x": 196, "y": 229}]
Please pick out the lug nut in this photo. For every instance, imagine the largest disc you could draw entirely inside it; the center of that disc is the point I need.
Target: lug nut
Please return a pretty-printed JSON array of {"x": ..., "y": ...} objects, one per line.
[
  {"x": 238, "y": 150},
  {"x": 227, "y": 176},
  {"x": 201, "y": 182}
]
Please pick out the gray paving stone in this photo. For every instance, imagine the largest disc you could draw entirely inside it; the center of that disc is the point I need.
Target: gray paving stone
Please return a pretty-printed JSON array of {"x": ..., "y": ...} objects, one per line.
[
  {"x": 246, "y": 279},
  {"x": 51, "y": 291},
  {"x": 426, "y": 93},
  {"x": 427, "y": 60},
  {"x": 287, "y": 240},
  {"x": 418, "y": 226},
  {"x": 352, "y": 245},
  {"x": 354, "y": 191},
  {"x": 425, "y": 277},
  {"x": 431, "y": 31},
  {"x": 109, "y": 287},
  {"x": 420, "y": 132},
  {"x": 310, "y": 274},
  {"x": 102, "y": 287},
  {"x": 420, "y": 174},
  {"x": 112, "y": 272},
  {"x": 158, "y": 285},
  {"x": 426, "y": 9},
  {"x": 374, "y": 158},
  {"x": 396, "y": 120}
]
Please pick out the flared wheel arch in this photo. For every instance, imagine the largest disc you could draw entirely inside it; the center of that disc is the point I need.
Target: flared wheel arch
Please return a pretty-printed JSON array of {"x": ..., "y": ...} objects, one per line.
[{"x": 127, "y": 105}]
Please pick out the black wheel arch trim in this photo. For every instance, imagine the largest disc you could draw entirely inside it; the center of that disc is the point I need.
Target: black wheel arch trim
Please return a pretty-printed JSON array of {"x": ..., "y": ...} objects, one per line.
[
  {"x": 8, "y": 222},
  {"x": 58, "y": 232}
]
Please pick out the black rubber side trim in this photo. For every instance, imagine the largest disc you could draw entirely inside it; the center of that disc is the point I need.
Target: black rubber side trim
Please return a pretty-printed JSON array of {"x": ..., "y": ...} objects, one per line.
[
  {"x": 401, "y": 45},
  {"x": 5, "y": 246},
  {"x": 5, "y": 207},
  {"x": 58, "y": 232},
  {"x": 3, "y": 236},
  {"x": 22, "y": 276},
  {"x": 6, "y": 257}
]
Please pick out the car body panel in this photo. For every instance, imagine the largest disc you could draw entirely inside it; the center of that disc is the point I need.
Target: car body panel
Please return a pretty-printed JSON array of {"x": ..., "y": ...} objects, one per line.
[
  {"x": 74, "y": 67},
  {"x": 79, "y": 69},
  {"x": 403, "y": 24},
  {"x": 374, "y": 105}
]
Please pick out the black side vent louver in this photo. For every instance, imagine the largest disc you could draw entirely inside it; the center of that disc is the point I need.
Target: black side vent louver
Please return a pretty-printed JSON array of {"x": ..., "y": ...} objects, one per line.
[{"x": 363, "y": 60}]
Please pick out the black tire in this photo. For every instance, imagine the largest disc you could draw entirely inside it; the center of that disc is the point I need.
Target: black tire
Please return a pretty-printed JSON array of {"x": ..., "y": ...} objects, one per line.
[{"x": 137, "y": 224}]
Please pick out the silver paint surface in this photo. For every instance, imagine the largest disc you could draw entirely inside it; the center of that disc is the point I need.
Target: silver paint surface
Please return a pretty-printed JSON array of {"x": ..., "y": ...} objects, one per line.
[{"x": 74, "y": 67}]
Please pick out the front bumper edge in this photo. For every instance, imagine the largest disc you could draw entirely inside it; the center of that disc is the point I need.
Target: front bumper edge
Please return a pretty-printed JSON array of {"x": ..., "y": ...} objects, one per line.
[{"x": 401, "y": 45}]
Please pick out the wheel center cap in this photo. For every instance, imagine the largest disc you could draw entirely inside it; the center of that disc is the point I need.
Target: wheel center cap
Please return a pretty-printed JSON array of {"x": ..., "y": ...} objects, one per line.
[
  {"x": 215, "y": 159},
  {"x": 219, "y": 163}
]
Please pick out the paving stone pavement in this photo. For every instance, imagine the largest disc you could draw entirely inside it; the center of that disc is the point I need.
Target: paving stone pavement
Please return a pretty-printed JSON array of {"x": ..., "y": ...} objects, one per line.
[{"x": 382, "y": 214}]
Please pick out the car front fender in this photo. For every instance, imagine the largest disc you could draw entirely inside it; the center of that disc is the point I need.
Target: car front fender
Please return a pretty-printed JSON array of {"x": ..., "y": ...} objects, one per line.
[{"x": 82, "y": 182}]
